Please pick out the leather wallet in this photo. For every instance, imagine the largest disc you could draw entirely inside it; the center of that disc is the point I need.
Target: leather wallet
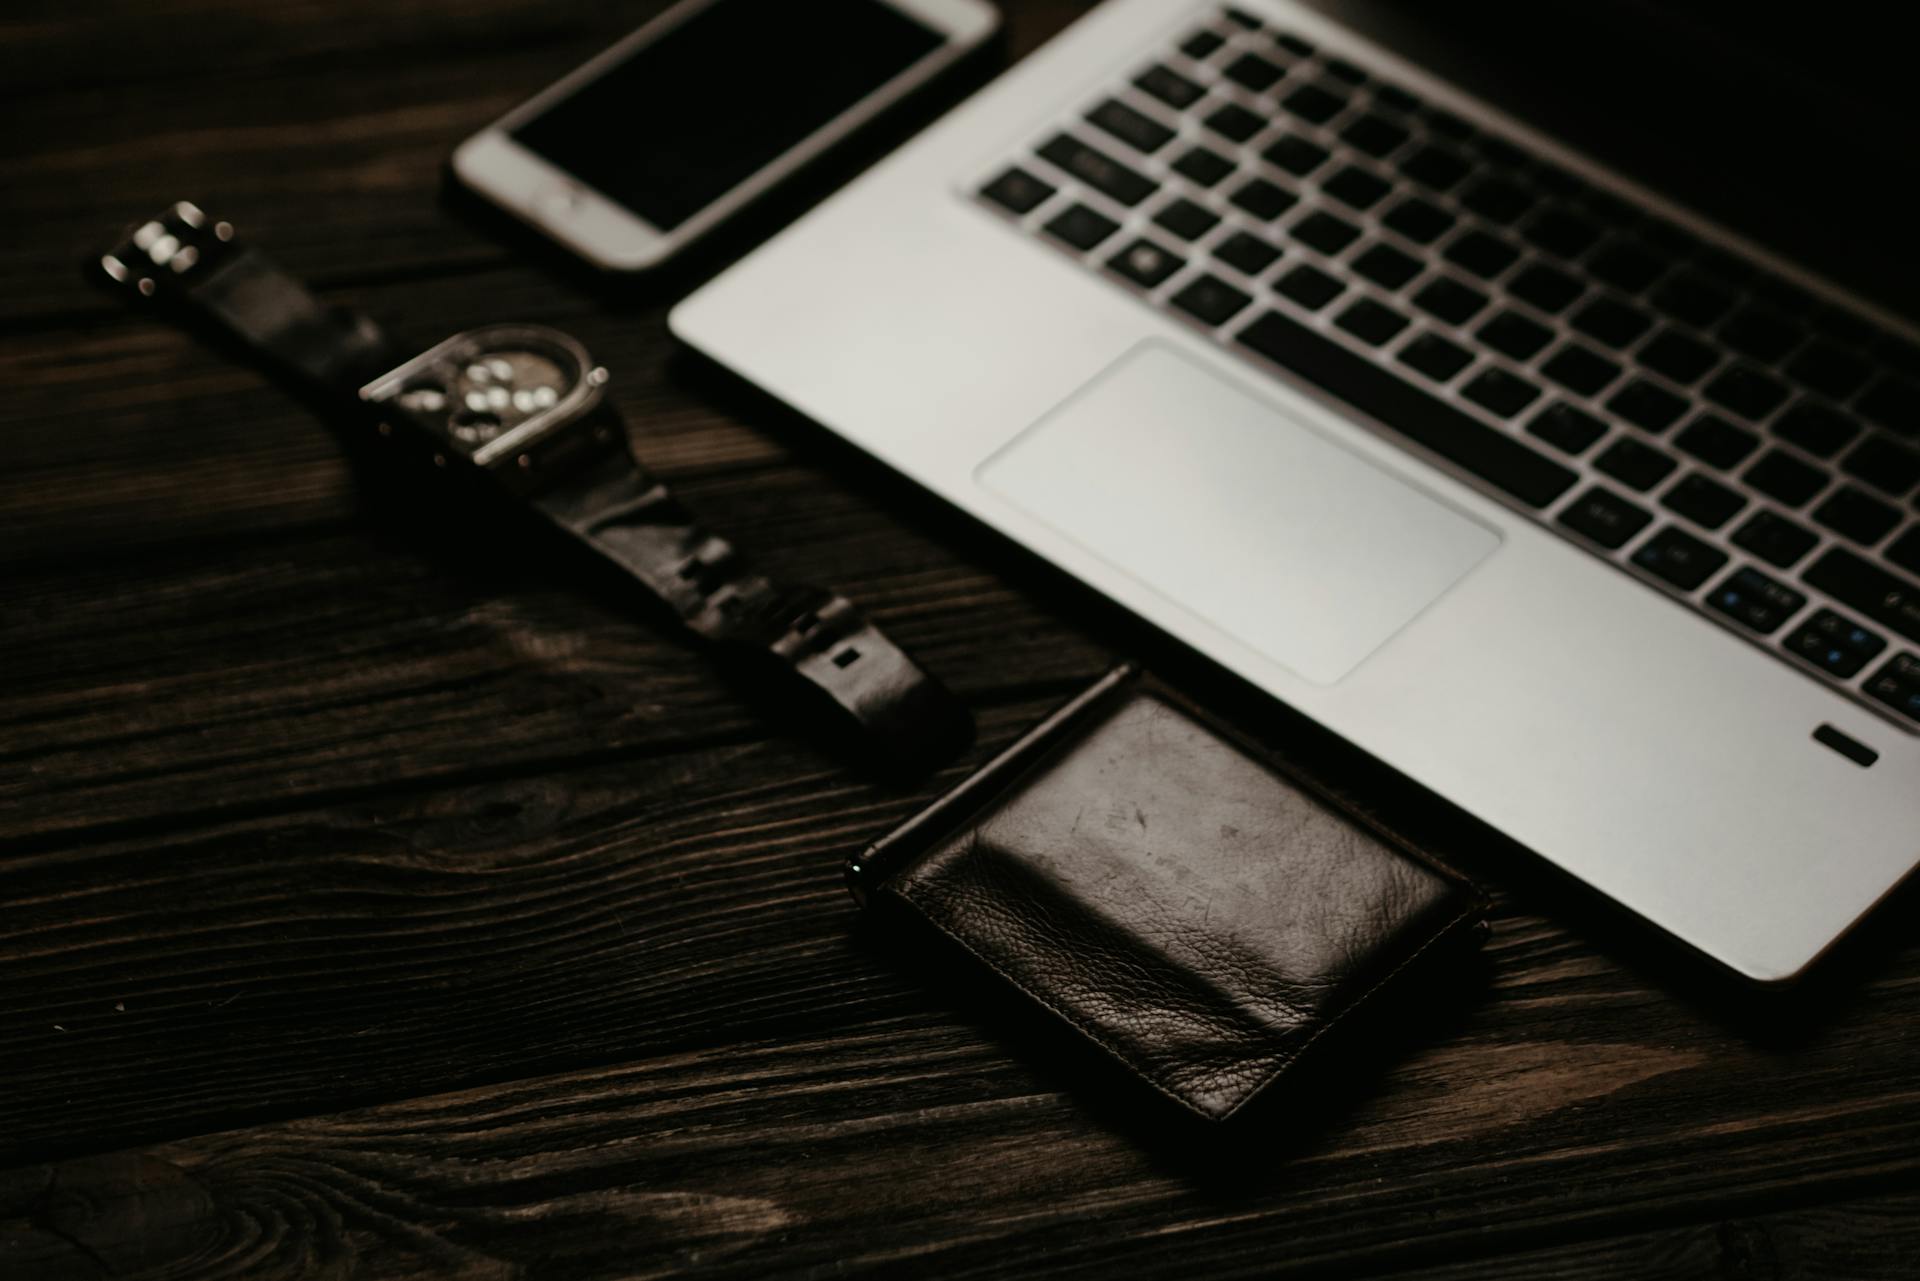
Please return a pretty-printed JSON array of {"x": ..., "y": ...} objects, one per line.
[{"x": 1189, "y": 907}]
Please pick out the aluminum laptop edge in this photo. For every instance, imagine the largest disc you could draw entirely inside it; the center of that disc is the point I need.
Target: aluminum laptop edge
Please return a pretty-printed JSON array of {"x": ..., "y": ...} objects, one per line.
[{"x": 1632, "y": 742}]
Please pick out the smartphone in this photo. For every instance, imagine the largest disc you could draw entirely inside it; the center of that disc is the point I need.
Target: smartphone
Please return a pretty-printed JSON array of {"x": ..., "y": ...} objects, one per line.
[{"x": 639, "y": 153}]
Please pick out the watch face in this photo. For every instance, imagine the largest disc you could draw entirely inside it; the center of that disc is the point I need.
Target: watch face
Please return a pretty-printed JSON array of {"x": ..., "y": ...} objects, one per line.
[{"x": 492, "y": 392}]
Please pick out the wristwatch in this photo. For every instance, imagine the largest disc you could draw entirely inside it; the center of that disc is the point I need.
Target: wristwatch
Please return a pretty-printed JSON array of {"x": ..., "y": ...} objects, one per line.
[{"x": 525, "y": 408}]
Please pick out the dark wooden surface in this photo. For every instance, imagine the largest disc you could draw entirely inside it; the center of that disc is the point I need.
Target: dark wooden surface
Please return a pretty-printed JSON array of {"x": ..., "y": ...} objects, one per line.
[{"x": 379, "y": 904}]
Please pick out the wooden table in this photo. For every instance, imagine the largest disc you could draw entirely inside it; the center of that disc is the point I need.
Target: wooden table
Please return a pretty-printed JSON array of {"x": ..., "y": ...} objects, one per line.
[{"x": 379, "y": 903}]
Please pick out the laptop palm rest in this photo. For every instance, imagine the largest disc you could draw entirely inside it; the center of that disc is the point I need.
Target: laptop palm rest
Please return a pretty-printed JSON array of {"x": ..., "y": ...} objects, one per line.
[{"x": 1238, "y": 512}]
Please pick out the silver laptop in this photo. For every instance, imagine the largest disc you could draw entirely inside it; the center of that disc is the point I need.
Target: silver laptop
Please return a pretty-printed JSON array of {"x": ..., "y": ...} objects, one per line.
[{"x": 1565, "y": 503}]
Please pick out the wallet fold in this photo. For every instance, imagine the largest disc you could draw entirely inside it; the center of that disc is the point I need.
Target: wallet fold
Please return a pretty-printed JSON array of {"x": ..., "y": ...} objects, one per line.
[{"x": 1188, "y": 906}]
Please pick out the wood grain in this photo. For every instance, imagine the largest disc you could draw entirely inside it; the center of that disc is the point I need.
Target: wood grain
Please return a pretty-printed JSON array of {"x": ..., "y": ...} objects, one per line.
[
  {"x": 383, "y": 900},
  {"x": 903, "y": 1146}
]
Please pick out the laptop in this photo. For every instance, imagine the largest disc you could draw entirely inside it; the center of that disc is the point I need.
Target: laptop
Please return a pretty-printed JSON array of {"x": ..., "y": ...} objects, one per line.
[{"x": 1568, "y": 504}]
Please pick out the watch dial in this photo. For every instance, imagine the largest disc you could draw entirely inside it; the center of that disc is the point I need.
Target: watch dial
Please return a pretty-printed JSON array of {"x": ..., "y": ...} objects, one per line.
[{"x": 493, "y": 393}]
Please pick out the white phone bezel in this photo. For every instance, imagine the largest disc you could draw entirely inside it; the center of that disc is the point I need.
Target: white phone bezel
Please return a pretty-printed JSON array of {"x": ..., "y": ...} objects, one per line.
[{"x": 614, "y": 237}]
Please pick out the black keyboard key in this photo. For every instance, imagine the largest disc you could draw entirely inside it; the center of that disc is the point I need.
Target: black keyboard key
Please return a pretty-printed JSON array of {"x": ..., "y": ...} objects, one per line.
[
  {"x": 1241, "y": 18},
  {"x": 1747, "y": 392},
  {"x": 1201, "y": 45},
  {"x": 1818, "y": 429},
  {"x": 1018, "y": 190},
  {"x": 1310, "y": 287},
  {"x": 1608, "y": 208},
  {"x": 1424, "y": 419},
  {"x": 1314, "y": 104},
  {"x": 1679, "y": 558},
  {"x": 1898, "y": 684},
  {"x": 1605, "y": 517},
  {"x": 1859, "y": 584},
  {"x": 1436, "y": 357},
  {"x": 1448, "y": 125},
  {"x": 1750, "y": 597},
  {"x": 1904, "y": 551},
  {"x": 1896, "y": 353},
  {"x": 1546, "y": 287},
  {"x": 1141, "y": 132},
  {"x": 1502, "y": 152},
  {"x": 1440, "y": 168},
  {"x": 1647, "y": 405},
  {"x": 1784, "y": 478},
  {"x": 1098, "y": 170},
  {"x": 1580, "y": 369},
  {"x": 1203, "y": 166},
  {"x": 1890, "y": 468},
  {"x": 1702, "y": 500},
  {"x": 1848, "y": 328},
  {"x": 1611, "y": 321},
  {"x": 1499, "y": 392},
  {"x": 1211, "y": 300},
  {"x": 1326, "y": 232},
  {"x": 1678, "y": 356},
  {"x": 1482, "y": 254},
  {"x": 1419, "y": 221},
  {"x": 1186, "y": 219},
  {"x": 1775, "y": 539},
  {"x": 1294, "y": 44},
  {"x": 1386, "y": 266},
  {"x": 1512, "y": 334},
  {"x": 1894, "y": 403},
  {"x": 1394, "y": 98},
  {"x": 1626, "y": 264},
  {"x": 1357, "y": 187},
  {"x": 1375, "y": 135},
  {"x": 1667, "y": 238},
  {"x": 1635, "y": 464},
  {"x": 1761, "y": 333},
  {"x": 1246, "y": 253},
  {"x": 1371, "y": 322},
  {"x": 1835, "y": 644},
  {"x": 1694, "y": 298},
  {"x": 1081, "y": 227},
  {"x": 1714, "y": 440},
  {"x": 1497, "y": 199},
  {"x": 1251, "y": 71},
  {"x": 1233, "y": 122},
  {"x": 1560, "y": 232},
  {"x": 1786, "y": 297},
  {"x": 1341, "y": 69},
  {"x": 1856, "y": 514},
  {"x": 1295, "y": 154},
  {"x": 1169, "y": 86},
  {"x": 1567, "y": 429},
  {"x": 1449, "y": 300},
  {"x": 1145, "y": 264},
  {"x": 1830, "y": 370},
  {"x": 1264, "y": 200},
  {"x": 1723, "y": 266}
]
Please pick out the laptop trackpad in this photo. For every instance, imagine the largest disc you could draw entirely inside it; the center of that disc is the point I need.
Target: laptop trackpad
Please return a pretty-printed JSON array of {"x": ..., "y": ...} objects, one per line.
[{"x": 1238, "y": 512}]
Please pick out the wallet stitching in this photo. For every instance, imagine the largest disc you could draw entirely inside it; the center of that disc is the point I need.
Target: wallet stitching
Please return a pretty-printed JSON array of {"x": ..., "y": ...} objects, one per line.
[{"x": 1114, "y": 1052}]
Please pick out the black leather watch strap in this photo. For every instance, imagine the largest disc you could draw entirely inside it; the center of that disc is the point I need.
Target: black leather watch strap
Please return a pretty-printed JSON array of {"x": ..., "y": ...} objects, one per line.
[
  {"x": 192, "y": 263},
  {"x": 613, "y": 506},
  {"x": 585, "y": 479}
]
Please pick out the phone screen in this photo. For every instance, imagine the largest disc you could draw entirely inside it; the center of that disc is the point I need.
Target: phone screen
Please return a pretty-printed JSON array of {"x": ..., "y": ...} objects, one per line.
[{"x": 688, "y": 117}]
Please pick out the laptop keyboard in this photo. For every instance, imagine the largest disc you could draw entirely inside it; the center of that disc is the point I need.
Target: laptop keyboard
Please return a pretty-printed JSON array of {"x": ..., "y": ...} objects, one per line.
[{"x": 1710, "y": 427}]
